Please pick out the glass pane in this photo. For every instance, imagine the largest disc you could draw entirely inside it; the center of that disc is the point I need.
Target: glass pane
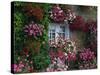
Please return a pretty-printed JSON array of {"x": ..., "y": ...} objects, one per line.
[
  {"x": 53, "y": 35},
  {"x": 50, "y": 36},
  {"x": 63, "y": 35},
  {"x": 53, "y": 30},
  {"x": 62, "y": 28},
  {"x": 59, "y": 34}
]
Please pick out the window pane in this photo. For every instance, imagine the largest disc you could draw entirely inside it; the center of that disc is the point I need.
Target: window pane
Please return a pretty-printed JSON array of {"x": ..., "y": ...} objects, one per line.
[
  {"x": 63, "y": 35},
  {"x": 52, "y": 34},
  {"x": 53, "y": 30},
  {"x": 62, "y": 28}
]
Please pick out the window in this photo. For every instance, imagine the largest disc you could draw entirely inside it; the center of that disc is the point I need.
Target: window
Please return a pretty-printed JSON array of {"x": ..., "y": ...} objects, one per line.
[
  {"x": 56, "y": 30},
  {"x": 52, "y": 34},
  {"x": 61, "y": 32}
]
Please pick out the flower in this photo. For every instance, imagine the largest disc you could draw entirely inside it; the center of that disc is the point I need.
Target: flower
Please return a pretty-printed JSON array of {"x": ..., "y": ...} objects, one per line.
[
  {"x": 65, "y": 54},
  {"x": 78, "y": 23},
  {"x": 33, "y": 29},
  {"x": 17, "y": 67},
  {"x": 70, "y": 15},
  {"x": 25, "y": 51},
  {"x": 24, "y": 63},
  {"x": 63, "y": 44},
  {"x": 71, "y": 56},
  {"x": 87, "y": 55},
  {"x": 57, "y": 14},
  {"x": 35, "y": 11},
  {"x": 60, "y": 54}
]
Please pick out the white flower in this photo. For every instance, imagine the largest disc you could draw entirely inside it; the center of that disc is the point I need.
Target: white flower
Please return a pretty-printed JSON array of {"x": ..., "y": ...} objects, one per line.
[
  {"x": 65, "y": 54},
  {"x": 54, "y": 62},
  {"x": 60, "y": 11},
  {"x": 67, "y": 67},
  {"x": 47, "y": 69},
  {"x": 69, "y": 45},
  {"x": 58, "y": 8},
  {"x": 55, "y": 58}
]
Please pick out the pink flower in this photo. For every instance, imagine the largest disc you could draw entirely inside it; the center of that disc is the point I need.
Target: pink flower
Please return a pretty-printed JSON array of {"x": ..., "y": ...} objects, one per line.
[
  {"x": 21, "y": 65},
  {"x": 57, "y": 14},
  {"x": 60, "y": 54},
  {"x": 16, "y": 68},
  {"x": 87, "y": 55},
  {"x": 33, "y": 29},
  {"x": 71, "y": 56},
  {"x": 78, "y": 23}
]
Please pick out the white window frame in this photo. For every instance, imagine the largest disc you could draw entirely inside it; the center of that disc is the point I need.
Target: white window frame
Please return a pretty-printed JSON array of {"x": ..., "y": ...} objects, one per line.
[{"x": 56, "y": 26}]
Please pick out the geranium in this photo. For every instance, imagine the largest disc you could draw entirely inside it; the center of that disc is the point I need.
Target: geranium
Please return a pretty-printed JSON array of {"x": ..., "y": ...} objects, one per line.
[
  {"x": 61, "y": 54},
  {"x": 87, "y": 55},
  {"x": 25, "y": 51},
  {"x": 71, "y": 56},
  {"x": 15, "y": 68},
  {"x": 57, "y": 61},
  {"x": 22, "y": 66},
  {"x": 24, "y": 62},
  {"x": 35, "y": 11},
  {"x": 57, "y": 65},
  {"x": 87, "y": 59},
  {"x": 58, "y": 43},
  {"x": 57, "y": 14},
  {"x": 63, "y": 44},
  {"x": 90, "y": 25},
  {"x": 18, "y": 67},
  {"x": 52, "y": 54},
  {"x": 33, "y": 29},
  {"x": 77, "y": 24},
  {"x": 70, "y": 15}
]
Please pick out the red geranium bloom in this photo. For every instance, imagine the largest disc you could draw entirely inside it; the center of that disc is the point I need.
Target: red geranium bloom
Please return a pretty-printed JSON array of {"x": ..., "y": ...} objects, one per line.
[
  {"x": 78, "y": 23},
  {"x": 25, "y": 51}
]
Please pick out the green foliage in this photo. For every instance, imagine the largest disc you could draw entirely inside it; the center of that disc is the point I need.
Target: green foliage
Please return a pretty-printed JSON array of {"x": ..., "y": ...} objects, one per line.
[
  {"x": 18, "y": 4},
  {"x": 18, "y": 24},
  {"x": 42, "y": 59}
]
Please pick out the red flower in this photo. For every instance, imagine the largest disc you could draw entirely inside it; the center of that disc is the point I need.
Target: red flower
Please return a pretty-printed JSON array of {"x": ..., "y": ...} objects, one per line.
[
  {"x": 35, "y": 11},
  {"x": 30, "y": 69},
  {"x": 52, "y": 54},
  {"x": 25, "y": 51},
  {"x": 87, "y": 55},
  {"x": 90, "y": 25},
  {"x": 57, "y": 14},
  {"x": 78, "y": 23},
  {"x": 71, "y": 56},
  {"x": 60, "y": 54}
]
